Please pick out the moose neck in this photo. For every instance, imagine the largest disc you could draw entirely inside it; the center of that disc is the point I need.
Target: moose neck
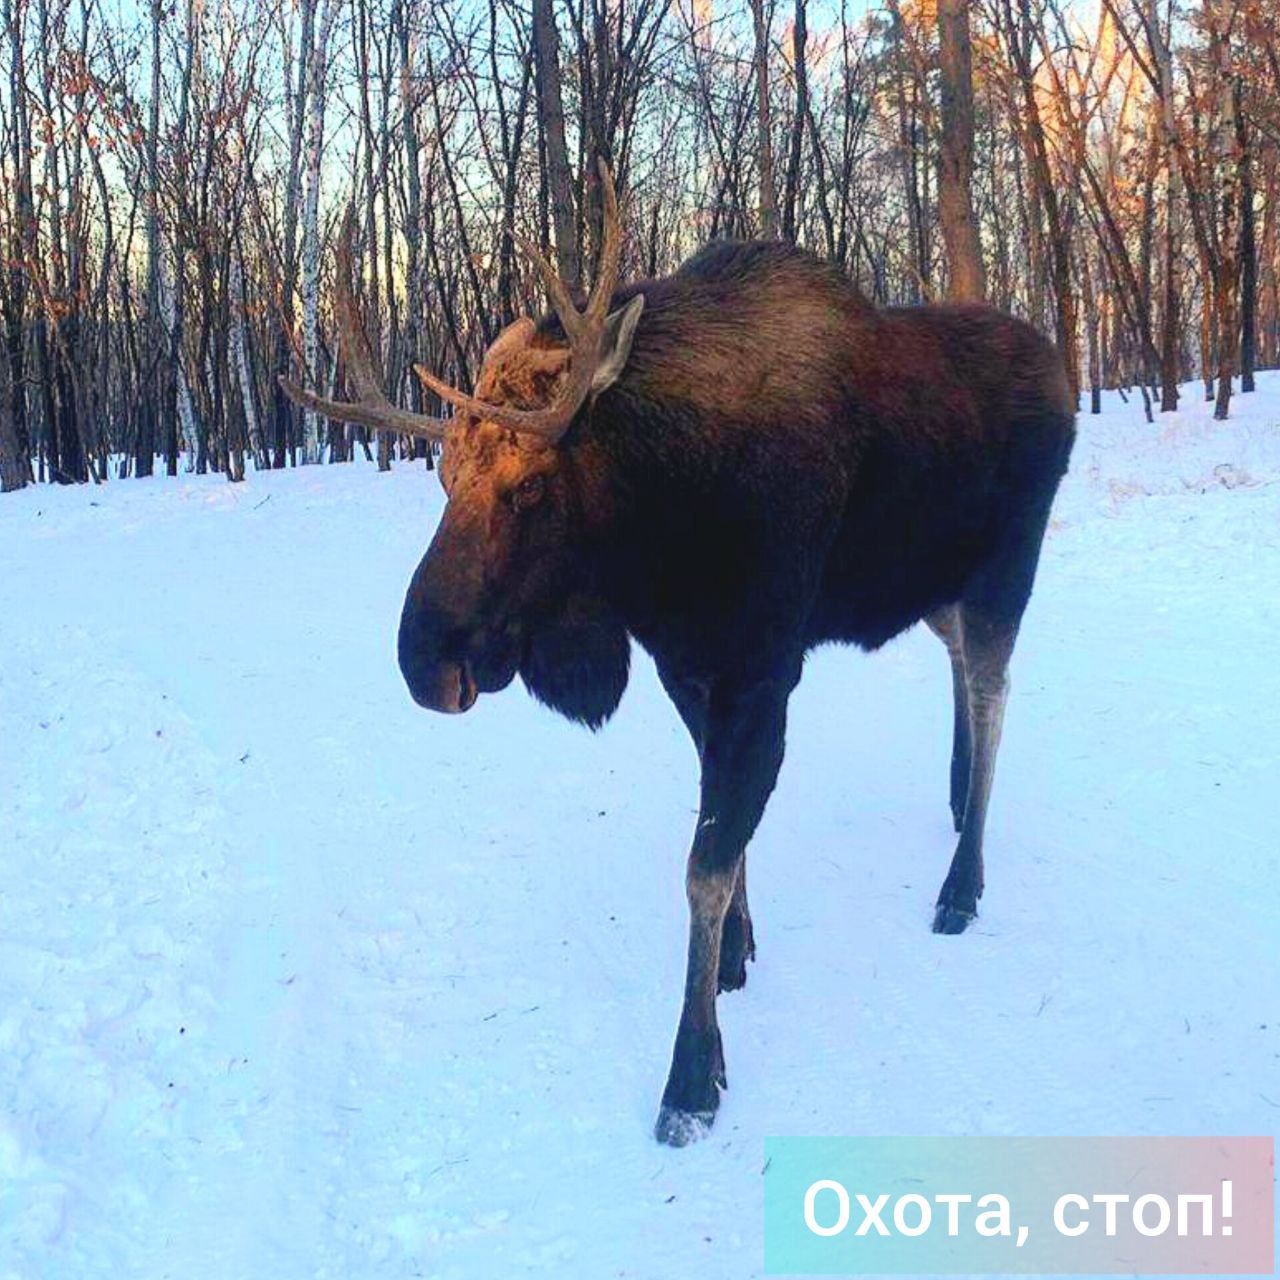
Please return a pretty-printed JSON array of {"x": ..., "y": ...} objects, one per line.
[{"x": 642, "y": 471}]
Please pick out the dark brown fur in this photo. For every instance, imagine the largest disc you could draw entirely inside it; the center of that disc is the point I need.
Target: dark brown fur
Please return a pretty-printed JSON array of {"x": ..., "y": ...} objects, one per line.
[{"x": 778, "y": 465}]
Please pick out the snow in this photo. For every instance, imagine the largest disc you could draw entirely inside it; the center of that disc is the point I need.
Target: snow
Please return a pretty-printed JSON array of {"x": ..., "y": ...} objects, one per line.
[{"x": 297, "y": 980}]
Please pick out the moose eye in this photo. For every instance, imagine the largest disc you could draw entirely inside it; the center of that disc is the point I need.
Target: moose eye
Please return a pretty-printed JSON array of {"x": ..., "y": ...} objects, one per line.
[{"x": 527, "y": 493}]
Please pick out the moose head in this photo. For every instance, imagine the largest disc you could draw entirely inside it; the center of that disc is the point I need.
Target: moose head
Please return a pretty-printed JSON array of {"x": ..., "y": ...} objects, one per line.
[{"x": 508, "y": 582}]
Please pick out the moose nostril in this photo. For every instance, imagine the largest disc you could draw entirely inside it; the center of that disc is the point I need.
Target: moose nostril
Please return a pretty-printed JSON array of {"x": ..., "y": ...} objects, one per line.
[{"x": 467, "y": 690}]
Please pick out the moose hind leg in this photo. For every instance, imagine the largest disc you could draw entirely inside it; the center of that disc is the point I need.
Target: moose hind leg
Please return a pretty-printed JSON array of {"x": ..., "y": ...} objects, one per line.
[
  {"x": 987, "y": 645},
  {"x": 737, "y": 940},
  {"x": 945, "y": 623}
]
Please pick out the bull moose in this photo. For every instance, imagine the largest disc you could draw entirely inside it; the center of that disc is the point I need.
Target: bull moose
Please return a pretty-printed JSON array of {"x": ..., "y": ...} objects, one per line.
[{"x": 731, "y": 464}]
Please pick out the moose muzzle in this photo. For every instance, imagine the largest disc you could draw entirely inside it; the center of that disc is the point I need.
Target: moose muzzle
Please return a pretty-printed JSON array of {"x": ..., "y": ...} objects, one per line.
[{"x": 433, "y": 655}]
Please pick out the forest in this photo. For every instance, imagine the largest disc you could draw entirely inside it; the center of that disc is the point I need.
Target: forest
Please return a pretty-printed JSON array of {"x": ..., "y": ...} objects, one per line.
[{"x": 176, "y": 176}]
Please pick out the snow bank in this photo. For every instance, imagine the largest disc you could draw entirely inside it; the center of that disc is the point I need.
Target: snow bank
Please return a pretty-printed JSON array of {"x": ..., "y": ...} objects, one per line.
[{"x": 1186, "y": 450}]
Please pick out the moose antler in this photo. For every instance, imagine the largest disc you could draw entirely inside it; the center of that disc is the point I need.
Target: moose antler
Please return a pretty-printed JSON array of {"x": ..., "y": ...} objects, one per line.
[
  {"x": 371, "y": 408},
  {"x": 584, "y": 329}
]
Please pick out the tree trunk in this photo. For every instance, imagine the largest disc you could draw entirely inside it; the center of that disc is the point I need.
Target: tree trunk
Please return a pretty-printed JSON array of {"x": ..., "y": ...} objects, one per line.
[
  {"x": 764, "y": 123},
  {"x": 1248, "y": 259},
  {"x": 799, "y": 34},
  {"x": 311, "y": 228},
  {"x": 244, "y": 370},
  {"x": 1059, "y": 233},
  {"x": 413, "y": 305},
  {"x": 546, "y": 52},
  {"x": 1092, "y": 325},
  {"x": 283, "y": 445},
  {"x": 1228, "y": 265},
  {"x": 15, "y": 466},
  {"x": 1169, "y": 336},
  {"x": 1208, "y": 323},
  {"x": 20, "y": 247},
  {"x": 512, "y": 140},
  {"x": 391, "y": 367},
  {"x": 177, "y": 395},
  {"x": 908, "y": 149},
  {"x": 955, "y": 156},
  {"x": 146, "y": 444}
]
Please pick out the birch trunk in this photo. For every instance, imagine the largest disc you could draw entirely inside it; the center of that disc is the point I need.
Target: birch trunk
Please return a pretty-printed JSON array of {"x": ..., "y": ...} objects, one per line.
[
  {"x": 244, "y": 371},
  {"x": 188, "y": 433},
  {"x": 146, "y": 444},
  {"x": 311, "y": 227}
]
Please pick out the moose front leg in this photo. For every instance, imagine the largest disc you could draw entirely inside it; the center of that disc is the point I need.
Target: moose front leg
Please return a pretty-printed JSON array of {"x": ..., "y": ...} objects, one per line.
[
  {"x": 741, "y": 754},
  {"x": 737, "y": 938}
]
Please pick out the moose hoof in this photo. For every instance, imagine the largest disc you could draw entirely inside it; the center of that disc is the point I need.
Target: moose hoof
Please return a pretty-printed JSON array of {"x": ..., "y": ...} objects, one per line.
[
  {"x": 677, "y": 1128},
  {"x": 951, "y": 919},
  {"x": 737, "y": 946},
  {"x": 692, "y": 1095},
  {"x": 733, "y": 976}
]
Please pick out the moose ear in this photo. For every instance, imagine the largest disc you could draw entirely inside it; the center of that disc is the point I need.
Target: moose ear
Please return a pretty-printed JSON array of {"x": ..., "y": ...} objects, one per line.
[{"x": 615, "y": 344}]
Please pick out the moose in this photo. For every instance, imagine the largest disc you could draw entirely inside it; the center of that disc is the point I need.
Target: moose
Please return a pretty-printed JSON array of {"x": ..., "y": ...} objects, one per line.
[{"x": 731, "y": 465}]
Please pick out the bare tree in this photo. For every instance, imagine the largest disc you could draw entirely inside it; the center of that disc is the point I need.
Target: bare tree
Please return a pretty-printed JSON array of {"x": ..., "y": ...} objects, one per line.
[
  {"x": 546, "y": 53},
  {"x": 955, "y": 154},
  {"x": 760, "y": 17},
  {"x": 319, "y": 65}
]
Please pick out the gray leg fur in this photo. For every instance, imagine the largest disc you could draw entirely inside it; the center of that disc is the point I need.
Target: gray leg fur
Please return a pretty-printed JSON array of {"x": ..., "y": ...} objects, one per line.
[
  {"x": 945, "y": 624},
  {"x": 737, "y": 940},
  {"x": 986, "y": 645}
]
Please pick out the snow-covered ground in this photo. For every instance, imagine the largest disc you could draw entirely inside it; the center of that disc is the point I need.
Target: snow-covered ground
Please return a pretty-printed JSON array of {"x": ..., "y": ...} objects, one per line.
[{"x": 297, "y": 980}]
